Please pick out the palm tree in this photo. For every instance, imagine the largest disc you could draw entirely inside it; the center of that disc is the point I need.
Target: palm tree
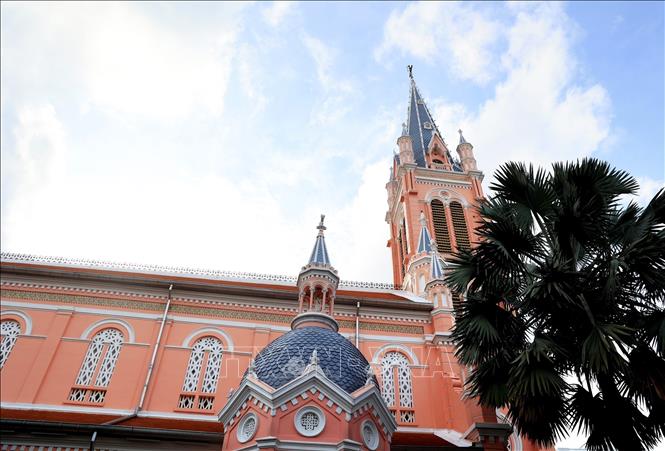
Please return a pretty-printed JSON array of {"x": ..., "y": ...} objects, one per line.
[{"x": 564, "y": 319}]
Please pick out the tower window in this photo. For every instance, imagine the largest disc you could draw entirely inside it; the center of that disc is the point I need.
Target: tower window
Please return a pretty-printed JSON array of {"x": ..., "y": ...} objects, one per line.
[
  {"x": 440, "y": 227},
  {"x": 199, "y": 388},
  {"x": 427, "y": 125},
  {"x": 9, "y": 330},
  {"x": 459, "y": 226}
]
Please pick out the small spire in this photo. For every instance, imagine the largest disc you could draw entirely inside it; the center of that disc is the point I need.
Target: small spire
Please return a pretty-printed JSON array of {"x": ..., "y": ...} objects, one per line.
[
  {"x": 320, "y": 253},
  {"x": 405, "y": 131},
  {"x": 436, "y": 268},
  {"x": 425, "y": 239},
  {"x": 461, "y": 137}
]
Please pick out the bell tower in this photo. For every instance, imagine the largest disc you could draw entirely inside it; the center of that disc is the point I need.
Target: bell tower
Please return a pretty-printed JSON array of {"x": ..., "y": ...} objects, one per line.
[{"x": 431, "y": 200}]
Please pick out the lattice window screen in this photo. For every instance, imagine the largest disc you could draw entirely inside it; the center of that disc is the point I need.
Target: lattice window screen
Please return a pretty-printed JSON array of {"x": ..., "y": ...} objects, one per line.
[
  {"x": 9, "y": 330},
  {"x": 459, "y": 226},
  {"x": 109, "y": 341},
  {"x": 389, "y": 361},
  {"x": 213, "y": 348},
  {"x": 441, "y": 231}
]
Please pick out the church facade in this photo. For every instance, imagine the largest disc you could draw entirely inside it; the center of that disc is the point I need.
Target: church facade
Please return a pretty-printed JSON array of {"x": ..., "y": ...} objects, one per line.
[{"x": 106, "y": 356}]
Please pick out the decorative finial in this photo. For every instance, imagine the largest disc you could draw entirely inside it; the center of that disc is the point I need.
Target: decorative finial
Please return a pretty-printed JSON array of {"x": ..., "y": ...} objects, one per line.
[
  {"x": 404, "y": 131},
  {"x": 410, "y": 68},
  {"x": 370, "y": 375},
  {"x": 461, "y": 137},
  {"x": 252, "y": 368},
  {"x": 321, "y": 227},
  {"x": 313, "y": 362}
]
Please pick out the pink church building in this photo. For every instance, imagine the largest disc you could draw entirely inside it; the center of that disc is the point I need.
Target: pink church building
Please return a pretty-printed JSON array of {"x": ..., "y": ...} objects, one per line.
[{"x": 103, "y": 356}]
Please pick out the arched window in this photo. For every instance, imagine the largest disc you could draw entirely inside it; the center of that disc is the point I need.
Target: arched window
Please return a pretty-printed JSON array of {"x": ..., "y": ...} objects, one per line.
[
  {"x": 97, "y": 368},
  {"x": 441, "y": 232},
  {"x": 459, "y": 226},
  {"x": 198, "y": 389},
  {"x": 397, "y": 389},
  {"x": 9, "y": 330}
]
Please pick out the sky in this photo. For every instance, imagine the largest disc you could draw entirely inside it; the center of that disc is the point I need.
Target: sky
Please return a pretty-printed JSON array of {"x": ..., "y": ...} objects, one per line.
[{"x": 212, "y": 135}]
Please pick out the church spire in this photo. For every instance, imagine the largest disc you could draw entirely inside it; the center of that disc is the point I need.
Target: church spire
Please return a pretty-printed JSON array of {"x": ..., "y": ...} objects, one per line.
[{"x": 420, "y": 123}]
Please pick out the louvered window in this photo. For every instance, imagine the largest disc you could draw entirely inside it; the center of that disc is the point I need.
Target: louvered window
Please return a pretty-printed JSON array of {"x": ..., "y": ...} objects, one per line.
[
  {"x": 199, "y": 386},
  {"x": 397, "y": 389},
  {"x": 400, "y": 243},
  {"x": 459, "y": 226},
  {"x": 9, "y": 330},
  {"x": 440, "y": 227},
  {"x": 97, "y": 368}
]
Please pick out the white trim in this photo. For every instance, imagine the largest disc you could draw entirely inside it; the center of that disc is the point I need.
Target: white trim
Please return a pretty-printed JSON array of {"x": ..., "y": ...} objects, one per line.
[
  {"x": 102, "y": 410},
  {"x": 111, "y": 321},
  {"x": 180, "y": 416},
  {"x": 23, "y": 316},
  {"x": 436, "y": 193},
  {"x": 187, "y": 343},
  {"x": 305, "y": 410},
  {"x": 395, "y": 347},
  {"x": 52, "y": 408}
]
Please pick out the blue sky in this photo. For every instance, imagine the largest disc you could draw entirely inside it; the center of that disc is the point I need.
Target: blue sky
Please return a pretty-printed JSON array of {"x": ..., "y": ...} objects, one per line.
[{"x": 213, "y": 135}]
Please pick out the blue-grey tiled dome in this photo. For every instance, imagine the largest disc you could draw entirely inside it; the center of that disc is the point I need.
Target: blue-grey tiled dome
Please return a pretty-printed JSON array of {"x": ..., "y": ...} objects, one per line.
[{"x": 285, "y": 358}]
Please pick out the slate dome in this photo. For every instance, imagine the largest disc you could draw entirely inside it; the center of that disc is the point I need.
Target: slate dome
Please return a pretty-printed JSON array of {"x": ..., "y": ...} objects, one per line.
[{"x": 285, "y": 358}]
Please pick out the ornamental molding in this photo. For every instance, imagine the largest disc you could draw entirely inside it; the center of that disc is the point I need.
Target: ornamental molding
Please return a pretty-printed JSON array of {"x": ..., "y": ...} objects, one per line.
[
  {"x": 179, "y": 308},
  {"x": 312, "y": 383}
]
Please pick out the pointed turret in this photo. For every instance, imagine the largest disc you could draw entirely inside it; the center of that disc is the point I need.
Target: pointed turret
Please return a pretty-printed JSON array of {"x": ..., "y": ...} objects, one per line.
[
  {"x": 465, "y": 151},
  {"x": 436, "y": 268},
  {"x": 436, "y": 288},
  {"x": 317, "y": 286},
  {"x": 405, "y": 145},
  {"x": 424, "y": 241}
]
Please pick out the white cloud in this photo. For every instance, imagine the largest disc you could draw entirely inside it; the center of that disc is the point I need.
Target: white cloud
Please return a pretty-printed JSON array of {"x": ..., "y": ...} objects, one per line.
[
  {"x": 539, "y": 113},
  {"x": 277, "y": 12},
  {"x": 126, "y": 59},
  {"x": 648, "y": 189},
  {"x": 249, "y": 69},
  {"x": 454, "y": 35},
  {"x": 338, "y": 92},
  {"x": 35, "y": 171}
]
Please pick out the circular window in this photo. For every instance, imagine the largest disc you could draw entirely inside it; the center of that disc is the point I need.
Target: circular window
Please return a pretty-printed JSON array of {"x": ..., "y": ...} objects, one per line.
[
  {"x": 310, "y": 421},
  {"x": 247, "y": 427},
  {"x": 370, "y": 435}
]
